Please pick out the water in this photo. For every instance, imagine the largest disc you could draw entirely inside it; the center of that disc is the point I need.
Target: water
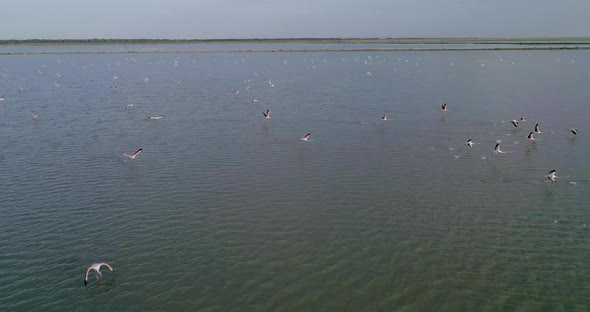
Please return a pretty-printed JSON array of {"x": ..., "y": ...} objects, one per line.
[
  {"x": 226, "y": 210},
  {"x": 192, "y": 47}
]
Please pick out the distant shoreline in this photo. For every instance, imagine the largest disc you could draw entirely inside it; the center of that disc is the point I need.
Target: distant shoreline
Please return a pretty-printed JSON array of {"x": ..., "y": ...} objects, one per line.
[
  {"x": 76, "y": 42},
  {"x": 299, "y": 51},
  {"x": 517, "y": 44}
]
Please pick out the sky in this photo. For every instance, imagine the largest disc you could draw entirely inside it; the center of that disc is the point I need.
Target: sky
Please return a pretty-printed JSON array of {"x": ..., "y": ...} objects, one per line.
[{"x": 224, "y": 19}]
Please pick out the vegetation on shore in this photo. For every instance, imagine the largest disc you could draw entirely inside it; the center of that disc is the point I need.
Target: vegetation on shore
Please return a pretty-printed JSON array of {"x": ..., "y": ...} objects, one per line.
[{"x": 574, "y": 40}]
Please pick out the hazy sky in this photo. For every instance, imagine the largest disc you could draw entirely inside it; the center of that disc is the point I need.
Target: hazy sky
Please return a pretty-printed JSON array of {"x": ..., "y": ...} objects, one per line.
[{"x": 23, "y": 19}]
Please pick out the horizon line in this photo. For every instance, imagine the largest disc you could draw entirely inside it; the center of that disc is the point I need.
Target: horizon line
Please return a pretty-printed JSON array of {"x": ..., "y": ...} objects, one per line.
[{"x": 302, "y": 38}]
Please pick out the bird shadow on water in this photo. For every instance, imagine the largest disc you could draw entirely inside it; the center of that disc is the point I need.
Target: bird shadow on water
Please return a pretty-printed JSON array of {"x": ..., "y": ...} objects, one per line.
[
  {"x": 494, "y": 175},
  {"x": 381, "y": 131},
  {"x": 548, "y": 191},
  {"x": 301, "y": 154},
  {"x": 131, "y": 170},
  {"x": 265, "y": 130},
  {"x": 102, "y": 286},
  {"x": 529, "y": 150}
]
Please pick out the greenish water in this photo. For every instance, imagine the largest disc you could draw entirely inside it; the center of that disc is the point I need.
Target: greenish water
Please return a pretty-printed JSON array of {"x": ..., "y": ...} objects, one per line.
[{"x": 228, "y": 211}]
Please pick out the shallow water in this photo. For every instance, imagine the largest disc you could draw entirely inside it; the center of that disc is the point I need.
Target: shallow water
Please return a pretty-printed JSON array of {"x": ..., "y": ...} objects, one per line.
[{"x": 226, "y": 210}]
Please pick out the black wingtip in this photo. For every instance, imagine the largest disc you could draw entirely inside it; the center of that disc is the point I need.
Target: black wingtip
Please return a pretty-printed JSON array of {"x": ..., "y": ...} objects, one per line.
[{"x": 85, "y": 283}]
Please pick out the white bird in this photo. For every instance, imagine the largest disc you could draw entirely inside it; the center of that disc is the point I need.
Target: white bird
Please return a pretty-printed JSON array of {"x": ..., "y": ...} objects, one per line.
[
  {"x": 306, "y": 137},
  {"x": 236, "y": 91},
  {"x": 130, "y": 106},
  {"x": 537, "y": 129},
  {"x": 35, "y": 115},
  {"x": 254, "y": 101},
  {"x": 530, "y": 136},
  {"x": 267, "y": 114},
  {"x": 514, "y": 123},
  {"x": 134, "y": 155},
  {"x": 96, "y": 268},
  {"x": 469, "y": 143},
  {"x": 155, "y": 117},
  {"x": 444, "y": 107},
  {"x": 2, "y": 98},
  {"x": 574, "y": 131},
  {"x": 384, "y": 117},
  {"x": 551, "y": 175},
  {"x": 522, "y": 119},
  {"x": 497, "y": 149}
]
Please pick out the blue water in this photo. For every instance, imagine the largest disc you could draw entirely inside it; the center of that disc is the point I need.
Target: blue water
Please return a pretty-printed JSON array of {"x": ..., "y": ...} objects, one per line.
[{"x": 226, "y": 210}]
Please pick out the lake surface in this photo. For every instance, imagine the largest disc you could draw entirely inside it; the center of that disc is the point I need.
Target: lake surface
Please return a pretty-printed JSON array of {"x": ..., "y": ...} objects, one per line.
[
  {"x": 228, "y": 211},
  {"x": 189, "y": 47}
]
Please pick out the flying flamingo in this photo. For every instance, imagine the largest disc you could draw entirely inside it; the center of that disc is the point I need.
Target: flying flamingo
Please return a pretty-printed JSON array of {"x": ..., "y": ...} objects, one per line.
[
  {"x": 96, "y": 268},
  {"x": 134, "y": 155}
]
